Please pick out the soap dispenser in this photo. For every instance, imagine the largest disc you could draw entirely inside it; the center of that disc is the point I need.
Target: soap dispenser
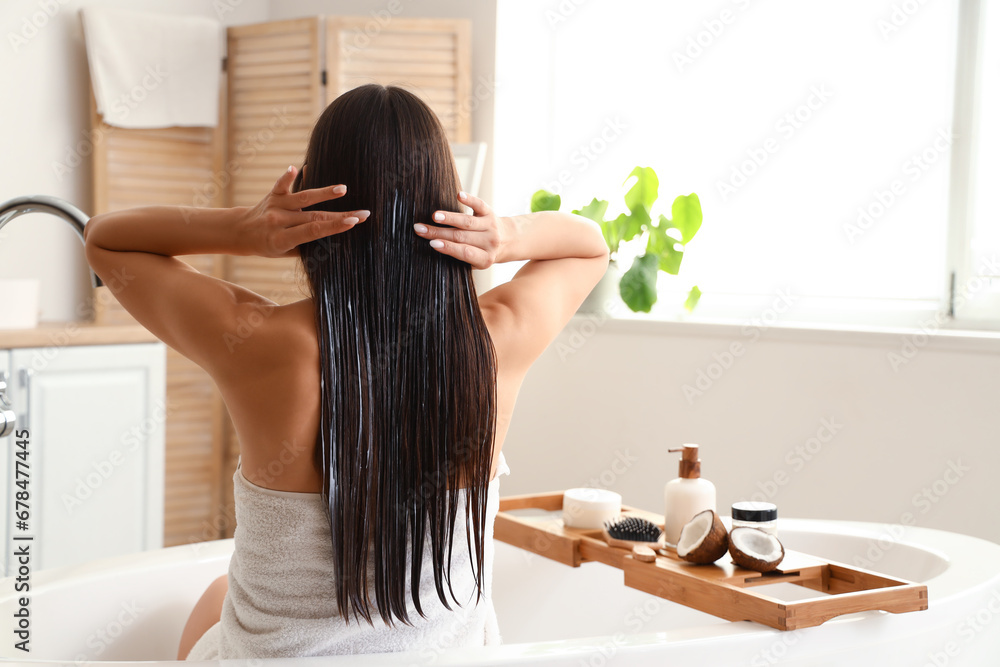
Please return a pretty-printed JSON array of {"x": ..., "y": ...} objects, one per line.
[{"x": 687, "y": 495}]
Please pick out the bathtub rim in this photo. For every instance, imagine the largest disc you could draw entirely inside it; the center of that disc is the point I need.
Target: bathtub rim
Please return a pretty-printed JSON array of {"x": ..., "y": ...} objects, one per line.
[
  {"x": 954, "y": 548},
  {"x": 961, "y": 577}
]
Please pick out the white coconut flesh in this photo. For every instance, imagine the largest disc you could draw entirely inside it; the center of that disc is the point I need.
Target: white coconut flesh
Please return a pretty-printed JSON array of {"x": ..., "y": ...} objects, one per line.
[
  {"x": 694, "y": 533},
  {"x": 757, "y": 544}
]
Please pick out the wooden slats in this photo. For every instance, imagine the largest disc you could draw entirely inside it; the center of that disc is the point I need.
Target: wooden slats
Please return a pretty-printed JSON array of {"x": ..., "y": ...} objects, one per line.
[
  {"x": 172, "y": 172},
  {"x": 426, "y": 56},
  {"x": 295, "y": 109},
  {"x": 193, "y": 437},
  {"x": 259, "y": 57},
  {"x": 412, "y": 82},
  {"x": 119, "y": 140},
  {"x": 288, "y": 71},
  {"x": 126, "y": 158},
  {"x": 272, "y": 82},
  {"x": 274, "y": 88},
  {"x": 371, "y": 55},
  {"x": 400, "y": 68},
  {"x": 290, "y": 130},
  {"x": 275, "y": 98},
  {"x": 422, "y": 35}
]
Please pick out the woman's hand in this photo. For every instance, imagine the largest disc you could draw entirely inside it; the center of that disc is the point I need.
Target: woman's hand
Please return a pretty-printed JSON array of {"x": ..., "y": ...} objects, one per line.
[
  {"x": 277, "y": 225},
  {"x": 476, "y": 239}
]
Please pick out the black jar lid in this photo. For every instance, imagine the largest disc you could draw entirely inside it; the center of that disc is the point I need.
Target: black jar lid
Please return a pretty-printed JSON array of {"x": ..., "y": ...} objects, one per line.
[{"x": 751, "y": 511}]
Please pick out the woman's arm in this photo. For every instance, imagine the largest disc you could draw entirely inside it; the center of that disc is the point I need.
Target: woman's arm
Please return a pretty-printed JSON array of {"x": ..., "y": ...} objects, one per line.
[
  {"x": 551, "y": 235},
  {"x": 567, "y": 257},
  {"x": 204, "y": 318}
]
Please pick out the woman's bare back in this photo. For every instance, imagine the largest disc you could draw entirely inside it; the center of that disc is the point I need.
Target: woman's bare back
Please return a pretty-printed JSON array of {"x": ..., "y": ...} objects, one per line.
[{"x": 274, "y": 401}]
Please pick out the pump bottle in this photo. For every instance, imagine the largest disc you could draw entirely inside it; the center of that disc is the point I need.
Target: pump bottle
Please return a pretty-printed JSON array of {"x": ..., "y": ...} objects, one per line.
[{"x": 687, "y": 495}]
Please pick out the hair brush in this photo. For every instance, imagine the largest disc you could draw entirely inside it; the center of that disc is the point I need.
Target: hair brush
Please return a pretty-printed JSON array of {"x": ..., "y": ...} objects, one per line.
[{"x": 627, "y": 531}]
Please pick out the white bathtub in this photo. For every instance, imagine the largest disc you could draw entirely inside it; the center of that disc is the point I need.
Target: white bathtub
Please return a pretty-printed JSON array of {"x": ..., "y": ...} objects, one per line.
[{"x": 132, "y": 609}]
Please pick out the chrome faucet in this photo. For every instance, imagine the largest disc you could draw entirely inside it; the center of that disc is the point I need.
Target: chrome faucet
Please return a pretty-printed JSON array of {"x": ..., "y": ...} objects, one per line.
[
  {"x": 9, "y": 210},
  {"x": 60, "y": 208}
]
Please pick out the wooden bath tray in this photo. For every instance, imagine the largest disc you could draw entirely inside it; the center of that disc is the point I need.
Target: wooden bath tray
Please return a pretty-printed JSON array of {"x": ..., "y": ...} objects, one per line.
[{"x": 721, "y": 589}]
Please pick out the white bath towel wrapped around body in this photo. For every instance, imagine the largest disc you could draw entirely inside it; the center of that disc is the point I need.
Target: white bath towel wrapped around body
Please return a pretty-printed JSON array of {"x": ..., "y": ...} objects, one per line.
[{"x": 282, "y": 598}]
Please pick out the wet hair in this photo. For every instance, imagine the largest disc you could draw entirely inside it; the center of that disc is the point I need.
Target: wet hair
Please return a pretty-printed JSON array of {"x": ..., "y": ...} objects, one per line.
[{"x": 408, "y": 368}]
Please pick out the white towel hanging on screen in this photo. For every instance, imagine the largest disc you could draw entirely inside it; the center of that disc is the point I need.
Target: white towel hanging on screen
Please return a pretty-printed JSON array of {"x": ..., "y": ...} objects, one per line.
[{"x": 153, "y": 70}]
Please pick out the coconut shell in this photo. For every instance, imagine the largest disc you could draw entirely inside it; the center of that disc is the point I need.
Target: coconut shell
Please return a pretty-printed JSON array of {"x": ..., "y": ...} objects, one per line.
[
  {"x": 713, "y": 546},
  {"x": 750, "y": 561}
]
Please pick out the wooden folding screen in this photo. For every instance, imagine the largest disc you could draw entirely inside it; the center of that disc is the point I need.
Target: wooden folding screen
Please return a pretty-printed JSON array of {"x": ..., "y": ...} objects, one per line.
[
  {"x": 429, "y": 57},
  {"x": 279, "y": 77}
]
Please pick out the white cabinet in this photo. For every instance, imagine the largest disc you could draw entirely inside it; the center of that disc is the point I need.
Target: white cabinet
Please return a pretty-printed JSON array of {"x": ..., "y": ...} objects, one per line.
[{"x": 96, "y": 416}]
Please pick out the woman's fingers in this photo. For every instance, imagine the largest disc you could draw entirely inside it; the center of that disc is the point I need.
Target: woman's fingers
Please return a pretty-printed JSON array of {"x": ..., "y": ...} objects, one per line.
[
  {"x": 478, "y": 206},
  {"x": 280, "y": 224},
  {"x": 306, "y": 198},
  {"x": 446, "y": 233},
  {"x": 457, "y": 220},
  {"x": 284, "y": 183},
  {"x": 477, "y": 257},
  {"x": 477, "y": 221},
  {"x": 318, "y": 227},
  {"x": 471, "y": 238}
]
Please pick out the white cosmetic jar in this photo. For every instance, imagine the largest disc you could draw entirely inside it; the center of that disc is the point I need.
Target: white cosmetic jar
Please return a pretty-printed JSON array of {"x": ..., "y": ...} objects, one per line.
[{"x": 589, "y": 508}]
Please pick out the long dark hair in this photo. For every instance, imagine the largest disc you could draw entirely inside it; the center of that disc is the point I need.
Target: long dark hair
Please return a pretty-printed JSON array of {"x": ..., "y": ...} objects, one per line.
[{"x": 408, "y": 368}]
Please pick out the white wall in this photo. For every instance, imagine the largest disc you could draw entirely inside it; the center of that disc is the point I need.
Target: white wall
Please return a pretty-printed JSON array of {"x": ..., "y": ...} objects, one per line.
[
  {"x": 44, "y": 121},
  {"x": 605, "y": 402}
]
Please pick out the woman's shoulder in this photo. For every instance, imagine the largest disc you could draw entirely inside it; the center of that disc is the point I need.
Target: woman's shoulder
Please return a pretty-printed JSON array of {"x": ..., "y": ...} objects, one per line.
[
  {"x": 276, "y": 338},
  {"x": 284, "y": 327}
]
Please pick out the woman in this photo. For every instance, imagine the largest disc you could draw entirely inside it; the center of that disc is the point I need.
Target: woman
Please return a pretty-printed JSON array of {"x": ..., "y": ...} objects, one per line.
[{"x": 371, "y": 415}]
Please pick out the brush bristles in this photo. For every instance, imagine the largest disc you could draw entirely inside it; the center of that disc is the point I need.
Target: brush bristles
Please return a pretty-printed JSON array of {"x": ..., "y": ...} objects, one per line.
[{"x": 633, "y": 529}]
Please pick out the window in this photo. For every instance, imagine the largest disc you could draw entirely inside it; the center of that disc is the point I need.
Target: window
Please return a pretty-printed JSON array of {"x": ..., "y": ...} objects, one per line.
[
  {"x": 975, "y": 236},
  {"x": 819, "y": 138}
]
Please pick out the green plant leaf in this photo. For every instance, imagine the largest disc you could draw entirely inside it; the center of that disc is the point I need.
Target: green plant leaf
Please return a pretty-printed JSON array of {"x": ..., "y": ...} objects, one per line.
[
  {"x": 661, "y": 246},
  {"x": 610, "y": 232},
  {"x": 638, "y": 285},
  {"x": 643, "y": 192},
  {"x": 693, "y": 296},
  {"x": 665, "y": 223},
  {"x": 595, "y": 210},
  {"x": 543, "y": 200},
  {"x": 686, "y": 212},
  {"x": 630, "y": 226}
]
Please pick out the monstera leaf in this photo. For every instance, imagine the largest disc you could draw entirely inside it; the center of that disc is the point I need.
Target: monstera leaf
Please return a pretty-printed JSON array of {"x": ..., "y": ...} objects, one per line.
[
  {"x": 543, "y": 200},
  {"x": 686, "y": 212},
  {"x": 638, "y": 285},
  {"x": 662, "y": 246},
  {"x": 639, "y": 200},
  {"x": 595, "y": 210}
]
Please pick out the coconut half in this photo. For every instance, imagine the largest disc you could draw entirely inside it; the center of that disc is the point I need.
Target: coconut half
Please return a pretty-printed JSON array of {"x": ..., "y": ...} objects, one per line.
[
  {"x": 703, "y": 539},
  {"x": 754, "y": 549}
]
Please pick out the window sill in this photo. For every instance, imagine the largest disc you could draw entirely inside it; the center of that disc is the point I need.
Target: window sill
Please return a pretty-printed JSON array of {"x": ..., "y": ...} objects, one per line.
[{"x": 894, "y": 337}]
